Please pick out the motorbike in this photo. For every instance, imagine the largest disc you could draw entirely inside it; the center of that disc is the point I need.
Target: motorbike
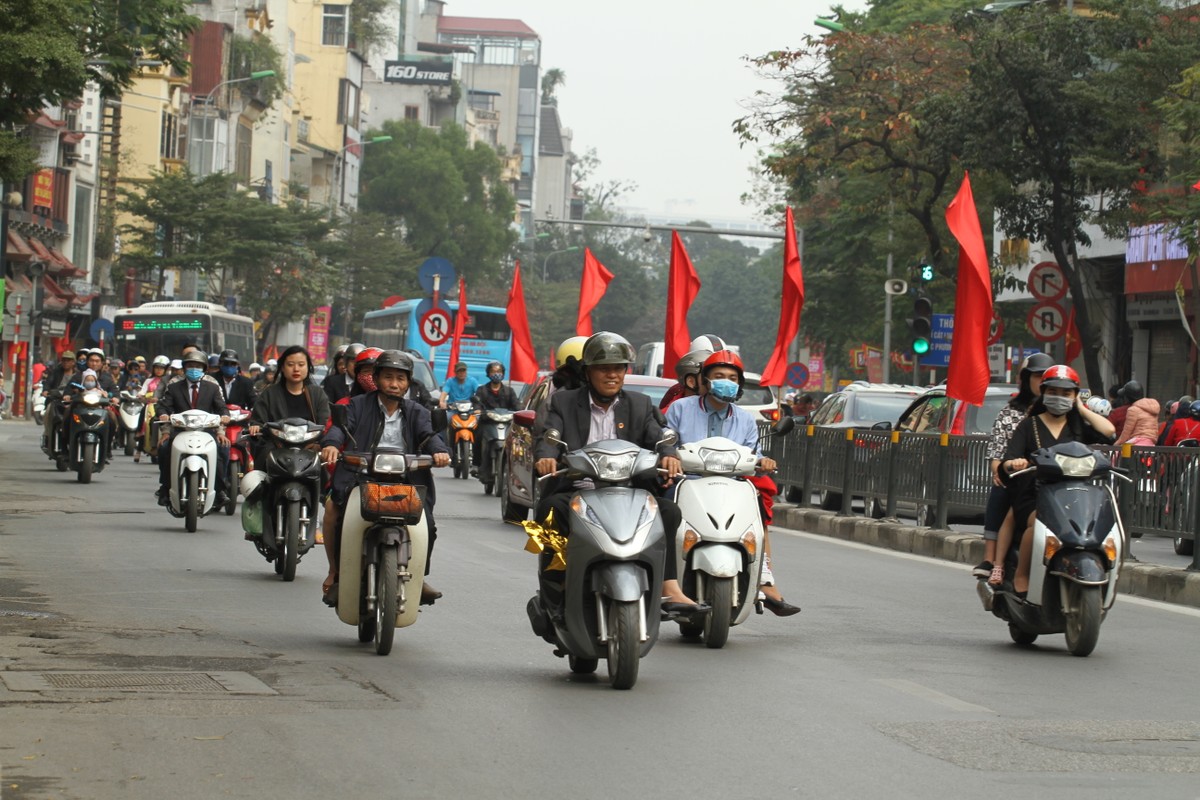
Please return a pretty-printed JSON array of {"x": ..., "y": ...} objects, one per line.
[
  {"x": 282, "y": 500},
  {"x": 499, "y": 420},
  {"x": 384, "y": 543},
  {"x": 82, "y": 439},
  {"x": 463, "y": 423},
  {"x": 1079, "y": 545},
  {"x": 129, "y": 410},
  {"x": 38, "y": 406},
  {"x": 606, "y": 602},
  {"x": 241, "y": 460},
  {"x": 193, "y": 465}
]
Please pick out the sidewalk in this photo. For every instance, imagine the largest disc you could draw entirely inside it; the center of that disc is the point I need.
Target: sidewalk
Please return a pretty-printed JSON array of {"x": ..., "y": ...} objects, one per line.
[{"x": 1152, "y": 581}]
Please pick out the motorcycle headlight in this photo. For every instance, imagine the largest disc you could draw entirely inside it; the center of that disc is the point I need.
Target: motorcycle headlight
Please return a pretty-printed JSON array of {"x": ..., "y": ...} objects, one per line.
[
  {"x": 389, "y": 464},
  {"x": 1076, "y": 466},
  {"x": 615, "y": 467},
  {"x": 719, "y": 460},
  {"x": 500, "y": 416},
  {"x": 293, "y": 434}
]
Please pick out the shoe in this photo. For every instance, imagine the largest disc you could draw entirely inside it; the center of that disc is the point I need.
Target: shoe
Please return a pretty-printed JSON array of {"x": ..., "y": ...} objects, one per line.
[
  {"x": 982, "y": 570},
  {"x": 219, "y": 500},
  {"x": 429, "y": 595},
  {"x": 996, "y": 577},
  {"x": 672, "y": 609},
  {"x": 163, "y": 497},
  {"x": 474, "y": 472},
  {"x": 329, "y": 596},
  {"x": 780, "y": 607}
]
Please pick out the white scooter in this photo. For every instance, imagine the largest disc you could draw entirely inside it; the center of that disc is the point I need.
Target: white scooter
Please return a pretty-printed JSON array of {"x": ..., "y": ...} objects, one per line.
[
  {"x": 129, "y": 409},
  {"x": 38, "y": 405},
  {"x": 720, "y": 550},
  {"x": 193, "y": 465}
]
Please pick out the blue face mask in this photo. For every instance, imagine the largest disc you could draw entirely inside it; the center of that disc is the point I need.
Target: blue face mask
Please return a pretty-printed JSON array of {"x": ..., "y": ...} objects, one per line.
[
  {"x": 193, "y": 374},
  {"x": 496, "y": 377},
  {"x": 229, "y": 370},
  {"x": 723, "y": 389}
]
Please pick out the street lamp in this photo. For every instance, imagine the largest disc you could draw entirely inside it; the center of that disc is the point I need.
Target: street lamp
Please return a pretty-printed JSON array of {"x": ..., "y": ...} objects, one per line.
[
  {"x": 253, "y": 76},
  {"x": 341, "y": 174},
  {"x": 546, "y": 260},
  {"x": 829, "y": 24}
]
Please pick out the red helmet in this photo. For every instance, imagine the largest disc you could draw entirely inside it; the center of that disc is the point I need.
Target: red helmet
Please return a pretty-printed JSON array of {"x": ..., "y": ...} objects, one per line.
[
  {"x": 1060, "y": 376},
  {"x": 367, "y": 357},
  {"x": 725, "y": 358}
]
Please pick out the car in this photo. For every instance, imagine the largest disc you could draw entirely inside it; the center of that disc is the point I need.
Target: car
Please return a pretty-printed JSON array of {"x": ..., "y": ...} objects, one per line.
[
  {"x": 516, "y": 484},
  {"x": 423, "y": 373},
  {"x": 865, "y": 405},
  {"x": 933, "y": 412},
  {"x": 759, "y": 400}
]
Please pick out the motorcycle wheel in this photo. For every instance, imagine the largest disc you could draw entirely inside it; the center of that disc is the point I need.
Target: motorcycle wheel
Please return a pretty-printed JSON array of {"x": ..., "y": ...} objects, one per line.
[
  {"x": 717, "y": 621},
  {"x": 1020, "y": 636},
  {"x": 60, "y": 464},
  {"x": 192, "y": 510},
  {"x": 231, "y": 500},
  {"x": 291, "y": 541},
  {"x": 464, "y": 460},
  {"x": 876, "y": 508},
  {"x": 623, "y": 645},
  {"x": 509, "y": 511},
  {"x": 1184, "y": 547},
  {"x": 689, "y": 631},
  {"x": 129, "y": 440},
  {"x": 793, "y": 494},
  {"x": 830, "y": 501},
  {"x": 1083, "y": 619},
  {"x": 582, "y": 666},
  {"x": 87, "y": 463},
  {"x": 387, "y": 580}
]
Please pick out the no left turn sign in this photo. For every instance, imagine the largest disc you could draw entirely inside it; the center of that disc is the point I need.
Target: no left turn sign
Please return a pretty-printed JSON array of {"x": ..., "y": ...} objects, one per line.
[{"x": 435, "y": 326}]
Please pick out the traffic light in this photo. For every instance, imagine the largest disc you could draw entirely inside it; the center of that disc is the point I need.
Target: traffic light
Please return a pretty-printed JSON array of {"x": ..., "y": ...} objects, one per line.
[
  {"x": 921, "y": 324},
  {"x": 925, "y": 272}
]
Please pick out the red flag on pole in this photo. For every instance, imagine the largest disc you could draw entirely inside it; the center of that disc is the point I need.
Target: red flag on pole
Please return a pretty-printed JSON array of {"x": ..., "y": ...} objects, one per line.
[
  {"x": 460, "y": 322},
  {"x": 523, "y": 365},
  {"x": 789, "y": 308},
  {"x": 968, "y": 374},
  {"x": 683, "y": 284},
  {"x": 1072, "y": 342},
  {"x": 595, "y": 282}
]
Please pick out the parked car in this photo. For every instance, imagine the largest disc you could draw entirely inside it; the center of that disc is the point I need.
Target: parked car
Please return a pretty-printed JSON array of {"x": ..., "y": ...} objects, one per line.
[
  {"x": 516, "y": 484},
  {"x": 759, "y": 400}
]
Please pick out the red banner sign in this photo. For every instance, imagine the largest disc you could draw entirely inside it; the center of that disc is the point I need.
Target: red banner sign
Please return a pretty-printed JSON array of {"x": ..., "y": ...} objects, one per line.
[{"x": 43, "y": 189}]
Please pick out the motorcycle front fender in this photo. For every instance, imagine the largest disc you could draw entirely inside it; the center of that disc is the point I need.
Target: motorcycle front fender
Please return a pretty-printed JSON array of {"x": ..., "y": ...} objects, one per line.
[
  {"x": 293, "y": 491},
  {"x": 621, "y": 581},
  {"x": 1080, "y": 567},
  {"x": 193, "y": 464},
  {"x": 719, "y": 561}
]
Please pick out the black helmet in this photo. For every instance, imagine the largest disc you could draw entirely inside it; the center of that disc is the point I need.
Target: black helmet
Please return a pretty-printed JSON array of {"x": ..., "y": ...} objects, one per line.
[
  {"x": 491, "y": 365},
  {"x": 1036, "y": 364},
  {"x": 394, "y": 359},
  {"x": 607, "y": 348},
  {"x": 214, "y": 360},
  {"x": 196, "y": 357},
  {"x": 230, "y": 356},
  {"x": 1133, "y": 391}
]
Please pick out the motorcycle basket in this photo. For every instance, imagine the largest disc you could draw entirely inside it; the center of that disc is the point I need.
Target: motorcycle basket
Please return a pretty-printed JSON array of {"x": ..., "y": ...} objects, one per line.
[{"x": 391, "y": 501}]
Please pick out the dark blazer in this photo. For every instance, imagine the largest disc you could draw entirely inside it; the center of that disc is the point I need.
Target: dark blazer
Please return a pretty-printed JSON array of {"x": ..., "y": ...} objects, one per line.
[
  {"x": 239, "y": 393},
  {"x": 335, "y": 386},
  {"x": 178, "y": 398},
  {"x": 271, "y": 405},
  {"x": 364, "y": 421},
  {"x": 569, "y": 412}
]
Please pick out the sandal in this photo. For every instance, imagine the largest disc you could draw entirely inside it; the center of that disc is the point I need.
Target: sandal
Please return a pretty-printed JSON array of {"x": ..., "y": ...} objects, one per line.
[
  {"x": 329, "y": 591},
  {"x": 997, "y": 576}
]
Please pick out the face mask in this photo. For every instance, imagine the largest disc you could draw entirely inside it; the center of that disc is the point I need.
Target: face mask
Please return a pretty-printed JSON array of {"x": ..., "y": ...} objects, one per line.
[
  {"x": 1058, "y": 405},
  {"x": 89, "y": 384},
  {"x": 229, "y": 370},
  {"x": 496, "y": 377},
  {"x": 367, "y": 382},
  {"x": 193, "y": 374},
  {"x": 723, "y": 389}
]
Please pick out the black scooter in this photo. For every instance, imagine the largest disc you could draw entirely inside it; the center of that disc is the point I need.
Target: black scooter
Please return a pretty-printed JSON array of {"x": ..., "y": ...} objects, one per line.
[{"x": 83, "y": 437}]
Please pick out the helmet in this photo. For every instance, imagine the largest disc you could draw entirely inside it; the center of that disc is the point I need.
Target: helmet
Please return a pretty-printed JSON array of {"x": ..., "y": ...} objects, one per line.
[
  {"x": 491, "y": 365},
  {"x": 607, "y": 348},
  {"x": 196, "y": 357},
  {"x": 161, "y": 361},
  {"x": 1099, "y": 405},
  {"x": 272, "y": 363},
  {"x": 254, "y": 366},
  {"x": 1133, "y": 391},
  {"x": 367, "y": 357},
  {"x": 214, "y": 360},
  {"x": 708, "y": 341},
  {"x": 230, "y": 356},
  {"x": 352, "y": 351},
  {"x": 570, "y": 348},
  {"x": 1036, "y": 363},
  {"x": 690, "y": 363},
  {"x": 394, "y": 359},
  {"x": 1194, "y": 410},
  {"x": 176, "y": 364},
  {"x": 116, "y": 362},
  {"x": 725, "y": 358},
  {"x": 1060, "y": 376}
]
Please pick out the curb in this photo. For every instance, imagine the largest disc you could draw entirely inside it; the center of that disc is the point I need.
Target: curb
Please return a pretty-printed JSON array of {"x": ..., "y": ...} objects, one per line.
[{"x": 1152, "y": 581}]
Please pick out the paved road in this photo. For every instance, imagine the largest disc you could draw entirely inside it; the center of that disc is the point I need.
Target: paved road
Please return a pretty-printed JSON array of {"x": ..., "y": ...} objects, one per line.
[{"x": 893, "y": 682}]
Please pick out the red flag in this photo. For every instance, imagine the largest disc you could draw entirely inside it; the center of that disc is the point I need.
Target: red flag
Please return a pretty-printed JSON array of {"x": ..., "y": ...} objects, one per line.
[
  {"x": 683, "y": 284},
  {"x": 789, "y": 308},
  {"x": 523, "y": 365},
  {"x": 595, "y": 282},
  {"x": 1072, "y": 342},
  {"x": 968, "y": 375},
  {"x": 460, "y": 322}
]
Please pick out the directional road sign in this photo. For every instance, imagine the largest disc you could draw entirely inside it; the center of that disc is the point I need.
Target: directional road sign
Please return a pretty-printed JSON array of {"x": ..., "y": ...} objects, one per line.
[
  {"x": 435, "y": 327},
  {"x": 102, "y": 329},
  {"x": 939, "y": 342},
  {"x": 440, "y": 267}
]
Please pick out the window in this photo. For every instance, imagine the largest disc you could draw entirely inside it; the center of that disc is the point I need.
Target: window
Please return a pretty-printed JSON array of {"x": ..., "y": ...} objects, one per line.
[
  {"x": 241, "y": 153},
  {"x": 347, "y": 103},
  {"x": 334, "y": 24},
  {"x": 412, "y": 112},
  {"x": 202, "y": 152},
  {"x": 168, "y": 141}
]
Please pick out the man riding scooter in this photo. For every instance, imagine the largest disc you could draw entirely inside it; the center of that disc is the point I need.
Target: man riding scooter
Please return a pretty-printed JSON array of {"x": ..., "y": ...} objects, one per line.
[
  {"x": 193, "y": 392},
  {"x": 493, "y": 395}
]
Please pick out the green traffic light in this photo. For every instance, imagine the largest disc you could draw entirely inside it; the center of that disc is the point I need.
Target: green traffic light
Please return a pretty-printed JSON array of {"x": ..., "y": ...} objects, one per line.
[
  {"x": 920, "y": 346},
  {"x": 927, "y": 272}
]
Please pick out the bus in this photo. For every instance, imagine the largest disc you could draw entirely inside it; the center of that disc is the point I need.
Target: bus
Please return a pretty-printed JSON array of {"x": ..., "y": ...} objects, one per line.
[
  {"x": 486, "y": 336},
  {"x": 165, "y": 328}
]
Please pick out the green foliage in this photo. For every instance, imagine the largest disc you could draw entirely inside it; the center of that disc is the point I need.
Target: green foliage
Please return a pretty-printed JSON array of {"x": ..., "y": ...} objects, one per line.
[
  {"x": 448, "y": 196},
  {"x": 551, "y": 80},
  {"x": 373, "y": 263},
  {"x": 256, "y": 53},
  {"x": 368, "y": 27}
]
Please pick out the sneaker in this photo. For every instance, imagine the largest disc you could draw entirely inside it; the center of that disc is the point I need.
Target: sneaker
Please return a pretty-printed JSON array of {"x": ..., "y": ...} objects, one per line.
[
  {"x": 163, "y": 497},
  {"x": 982, "y": 570}
]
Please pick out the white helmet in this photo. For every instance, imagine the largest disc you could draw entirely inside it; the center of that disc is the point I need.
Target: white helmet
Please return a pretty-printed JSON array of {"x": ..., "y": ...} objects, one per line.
[
  {"x": 177, "y": 364},
  {"x": 254, "y": 366},
  {"x": 161, "y": 361},
  {"x": 1099, "y": 405},
  {"x": 708, "y": 341}
]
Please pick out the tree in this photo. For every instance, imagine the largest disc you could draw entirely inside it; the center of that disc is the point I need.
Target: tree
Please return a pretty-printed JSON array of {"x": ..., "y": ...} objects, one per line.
[
  {"x": 373, "y": 263},
  {"x": 551, "y": 80},
  {"x": 447, "y": 195},
  {"x": 51, "y": 49}
]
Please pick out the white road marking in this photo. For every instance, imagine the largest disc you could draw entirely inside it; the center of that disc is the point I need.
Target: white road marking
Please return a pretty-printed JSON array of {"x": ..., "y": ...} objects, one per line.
[{"x": 933, "y": 696}]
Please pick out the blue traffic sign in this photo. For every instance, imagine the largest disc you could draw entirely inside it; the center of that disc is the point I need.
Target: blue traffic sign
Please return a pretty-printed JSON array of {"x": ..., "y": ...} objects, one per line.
[
  {"x": 426, "y": 305},
  {"x": 796, "y": 375},
  {"x": 102, "y": 329},
  {"x": 939, "y": 341},
  {"x": 439, "y": 267}
]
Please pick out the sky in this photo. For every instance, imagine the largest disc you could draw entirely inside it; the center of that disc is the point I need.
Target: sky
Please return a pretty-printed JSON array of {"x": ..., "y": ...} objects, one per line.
[{"x": 655, "y": 86}]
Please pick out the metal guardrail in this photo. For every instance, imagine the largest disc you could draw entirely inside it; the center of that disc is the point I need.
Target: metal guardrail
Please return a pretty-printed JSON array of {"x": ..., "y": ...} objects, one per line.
[{"x": 936, "y": 478}]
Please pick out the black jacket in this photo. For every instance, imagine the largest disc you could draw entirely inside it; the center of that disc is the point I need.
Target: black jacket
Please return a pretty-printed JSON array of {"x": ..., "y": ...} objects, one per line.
[
  {"x": 239, "y": 393},
  {"x": 177, "y": 398},
  {"x": 271, "y": 405},
  {"x": 488, "y": 400},
  {"x": 335, "y": 386}
]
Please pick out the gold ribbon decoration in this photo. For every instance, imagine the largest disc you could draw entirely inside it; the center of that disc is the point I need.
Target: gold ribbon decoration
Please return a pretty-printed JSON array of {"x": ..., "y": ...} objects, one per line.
[{"x": 543, "y": 536}]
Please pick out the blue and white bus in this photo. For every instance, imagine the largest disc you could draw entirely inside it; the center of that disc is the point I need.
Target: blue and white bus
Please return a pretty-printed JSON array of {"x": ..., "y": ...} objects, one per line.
[{"x": 486, "y": 336}]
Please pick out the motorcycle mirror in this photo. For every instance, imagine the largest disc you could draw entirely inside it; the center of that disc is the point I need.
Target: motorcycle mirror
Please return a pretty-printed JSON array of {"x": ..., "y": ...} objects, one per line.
[
  {"x": 784, "y": 426},
  {"x": 440, "y": 423},
  {"x": 669, "y": 437},
  {"x": 554, "y": 437}
]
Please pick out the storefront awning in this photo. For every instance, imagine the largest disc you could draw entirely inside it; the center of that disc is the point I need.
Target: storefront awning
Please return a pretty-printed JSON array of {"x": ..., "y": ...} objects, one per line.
[
  {"x": 68, "y": 269},
  {"x": 17, "y": 249}
]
